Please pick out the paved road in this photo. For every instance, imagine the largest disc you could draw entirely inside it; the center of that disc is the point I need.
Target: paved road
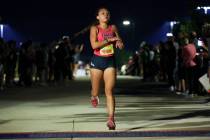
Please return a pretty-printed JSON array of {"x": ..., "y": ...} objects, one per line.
[{"x": 66, "y": 108}]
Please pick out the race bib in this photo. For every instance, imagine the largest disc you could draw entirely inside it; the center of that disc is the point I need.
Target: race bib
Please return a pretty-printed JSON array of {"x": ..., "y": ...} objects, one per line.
[{"x": 107, "y": 50}]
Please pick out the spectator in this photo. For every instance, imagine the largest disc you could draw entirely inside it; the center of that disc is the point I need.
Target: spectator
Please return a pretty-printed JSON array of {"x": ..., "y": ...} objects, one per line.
[
  {"x": 170, "y": 63},
  {"x": 1, "y": 64},
  {"x": 10, "y": 62},
  {"x": 41, "y": 63},
  {"x": 189, "y": 54}
]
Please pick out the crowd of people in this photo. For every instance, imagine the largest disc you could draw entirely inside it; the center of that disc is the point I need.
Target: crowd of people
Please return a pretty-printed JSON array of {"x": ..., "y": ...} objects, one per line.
[
  {"x": 30, "y": 63},
  {"x": 181, "y": 61}
]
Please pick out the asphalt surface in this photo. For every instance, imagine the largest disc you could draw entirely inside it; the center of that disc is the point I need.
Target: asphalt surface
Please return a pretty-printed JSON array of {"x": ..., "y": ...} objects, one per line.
[{"x": 140, "y": 107}]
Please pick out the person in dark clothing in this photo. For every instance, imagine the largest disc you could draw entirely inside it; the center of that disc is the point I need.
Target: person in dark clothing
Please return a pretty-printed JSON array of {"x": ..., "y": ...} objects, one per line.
[
  {"x": 181, "y": 87},
  {"x": 163, "y": 58},
  {"x": 133, "y": 65},
  {"x": 60, "y": 54},
  {"x": 51, "y": 62},
  {"x": 26, "y": 61},
  {"x": 145, "y": 56},
  {"x": 69, "y": 59},
  {"x": 170, "y": 63},
  {"x": 10, "y": 62},
  {"x": 1, "y": 64},
  {"x": 42, "y": 63}
]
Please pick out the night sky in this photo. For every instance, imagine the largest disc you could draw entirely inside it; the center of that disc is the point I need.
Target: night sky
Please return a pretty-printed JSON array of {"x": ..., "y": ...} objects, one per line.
[{"x": 48, "y": 20}]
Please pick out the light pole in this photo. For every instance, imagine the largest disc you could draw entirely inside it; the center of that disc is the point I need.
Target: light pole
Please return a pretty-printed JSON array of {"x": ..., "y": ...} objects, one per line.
[{"x": 128, "y": 23}]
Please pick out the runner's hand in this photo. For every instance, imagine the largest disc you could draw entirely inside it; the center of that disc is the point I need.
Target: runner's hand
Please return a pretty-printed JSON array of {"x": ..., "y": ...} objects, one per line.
[{"x": 119, "y": 44}]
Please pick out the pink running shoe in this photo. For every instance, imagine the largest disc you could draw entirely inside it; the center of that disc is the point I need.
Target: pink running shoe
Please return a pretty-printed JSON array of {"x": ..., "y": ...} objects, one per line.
[
  {"x": 111, "y": 124},
  {"x": 94, "y": 101}
]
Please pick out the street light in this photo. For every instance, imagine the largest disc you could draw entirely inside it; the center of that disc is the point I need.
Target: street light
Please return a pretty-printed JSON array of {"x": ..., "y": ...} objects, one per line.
[
  {"x": 206, "y": 8},
  {"x": 1, "y": 30},
  {"x": 130, "y": 31},
  {"x": 126, "y": 22},
  {"x": 169, "y": 34},
  {"x": 172, "y": 23}
]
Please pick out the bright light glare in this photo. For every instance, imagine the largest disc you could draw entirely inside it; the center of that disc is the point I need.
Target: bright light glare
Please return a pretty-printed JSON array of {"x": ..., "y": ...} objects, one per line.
[
  {"x": 169, "y": 34},
  {"x": 126, "y": 22},
  {"x": 206, "y": 8},
  {"x": 2, "y": 30}
]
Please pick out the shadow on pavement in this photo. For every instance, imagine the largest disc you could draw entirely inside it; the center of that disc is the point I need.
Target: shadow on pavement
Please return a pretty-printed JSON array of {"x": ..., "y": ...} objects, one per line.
[{"x": 204, "y": 113}]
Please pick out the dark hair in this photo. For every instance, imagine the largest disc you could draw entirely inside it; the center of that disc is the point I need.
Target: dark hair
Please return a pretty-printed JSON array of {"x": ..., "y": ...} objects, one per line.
[
  {"x": 96, "y": 22},
  {"x": 99, "y": 8}
]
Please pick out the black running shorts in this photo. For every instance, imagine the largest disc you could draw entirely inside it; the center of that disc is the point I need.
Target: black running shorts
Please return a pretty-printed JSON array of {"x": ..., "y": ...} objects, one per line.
[{"x": 102, "y": 63}]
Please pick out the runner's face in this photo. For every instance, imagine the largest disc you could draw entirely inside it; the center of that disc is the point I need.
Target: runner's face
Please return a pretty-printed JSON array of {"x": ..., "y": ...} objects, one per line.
[{"x": 103, "y": 15}]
